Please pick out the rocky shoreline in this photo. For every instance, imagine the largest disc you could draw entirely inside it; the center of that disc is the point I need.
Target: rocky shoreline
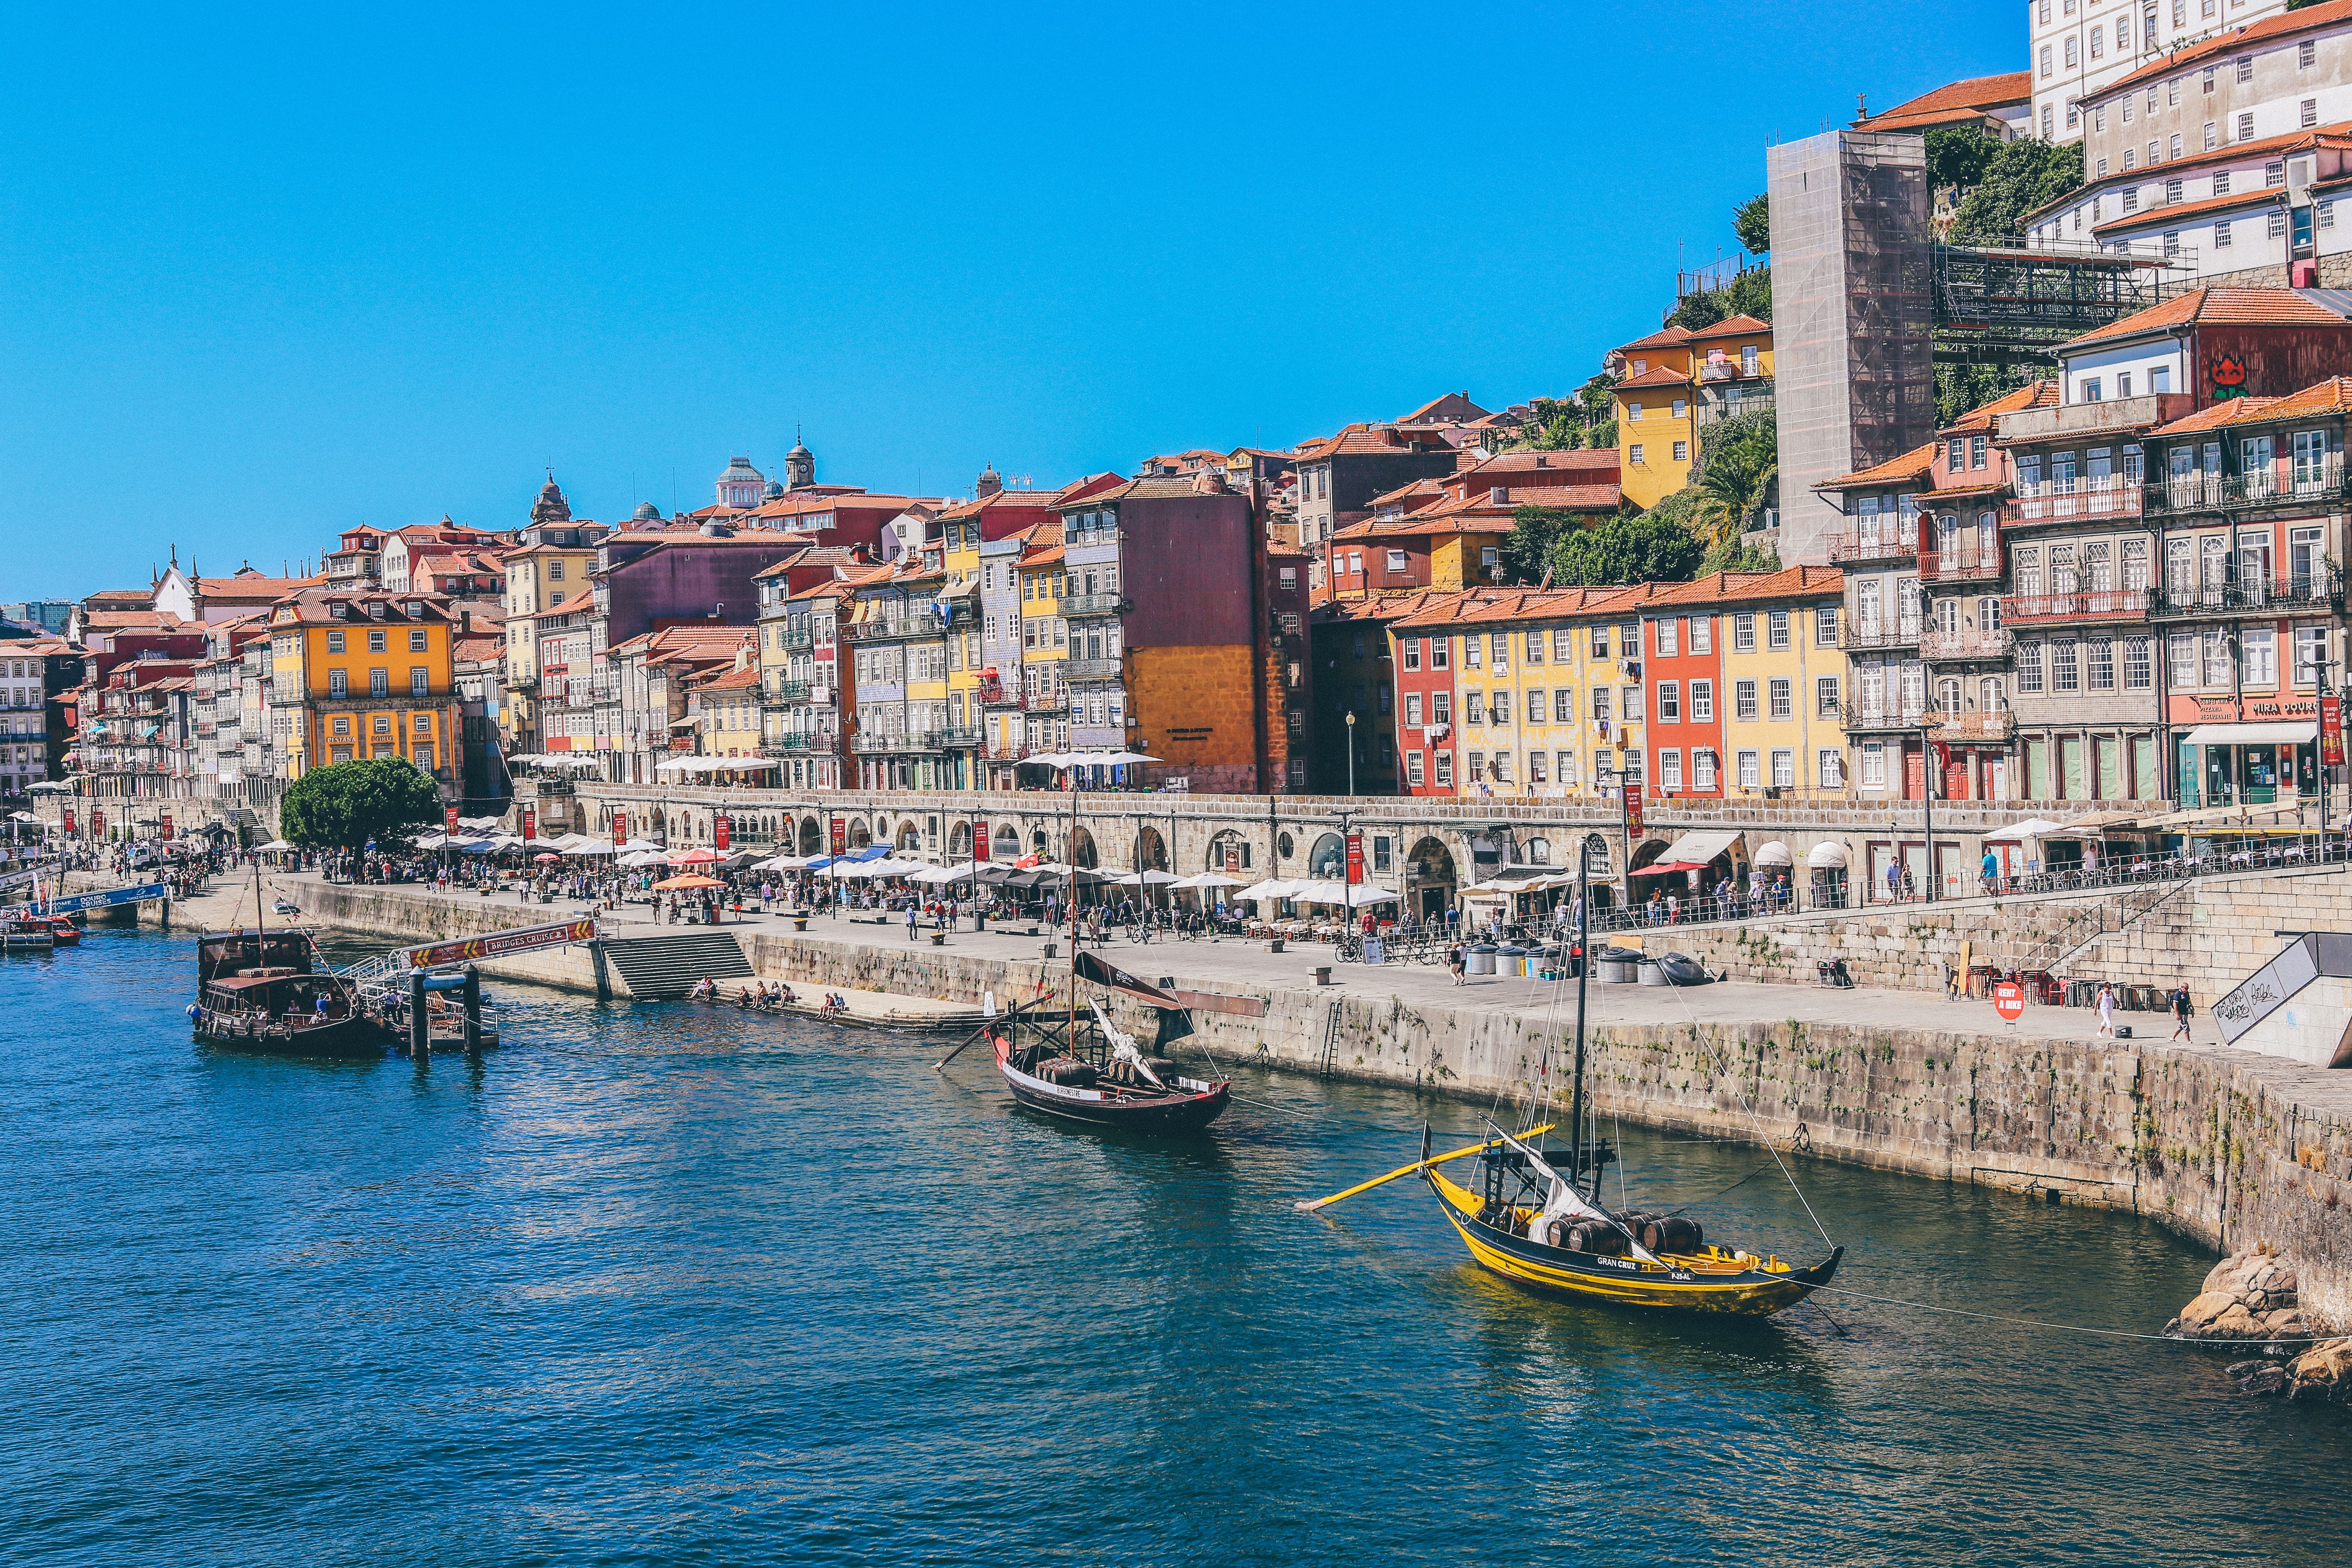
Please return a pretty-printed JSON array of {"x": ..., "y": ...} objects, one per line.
[{"x": 2252, "y": 1297}]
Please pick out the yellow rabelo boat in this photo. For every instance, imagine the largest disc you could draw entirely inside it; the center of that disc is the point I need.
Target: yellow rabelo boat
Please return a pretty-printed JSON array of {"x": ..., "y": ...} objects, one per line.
[
  {"x": 1529, "y": 1219},
  {"x": 1532, "y": 1225}
]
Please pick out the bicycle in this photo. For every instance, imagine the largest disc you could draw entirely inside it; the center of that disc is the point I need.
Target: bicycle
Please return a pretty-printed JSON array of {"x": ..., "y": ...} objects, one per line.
[{"x": 1349, "y": 948}]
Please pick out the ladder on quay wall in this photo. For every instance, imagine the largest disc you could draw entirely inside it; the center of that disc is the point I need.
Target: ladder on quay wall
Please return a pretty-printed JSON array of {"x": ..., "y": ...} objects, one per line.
[{"x": 1328, "y": 1063}]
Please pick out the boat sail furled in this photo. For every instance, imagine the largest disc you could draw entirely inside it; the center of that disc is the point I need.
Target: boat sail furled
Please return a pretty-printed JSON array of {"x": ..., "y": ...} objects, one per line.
[{"x": 1530, "y": 1218}]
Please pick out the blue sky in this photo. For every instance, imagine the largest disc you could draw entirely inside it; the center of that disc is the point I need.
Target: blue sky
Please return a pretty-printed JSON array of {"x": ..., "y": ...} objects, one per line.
[{"x": 266, "y": 274}]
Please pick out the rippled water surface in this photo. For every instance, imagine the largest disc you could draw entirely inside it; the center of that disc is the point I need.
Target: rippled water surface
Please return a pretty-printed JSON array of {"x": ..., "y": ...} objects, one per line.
[{"x": 671, "y": 1285}]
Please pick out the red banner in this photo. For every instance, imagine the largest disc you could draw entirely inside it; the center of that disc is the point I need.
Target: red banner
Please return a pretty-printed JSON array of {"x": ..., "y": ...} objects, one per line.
[
  {"x": 620, "y": 827},
  {"x": 1355, "y": 859},
  {"x": 449, "y": 819},
  {"x": 163, "y": 826},
  {"x": 1634, "y": 809},
  {"x": 530, "y": 822},
  {"x": 980, "y": 842},
  {"x": 2331, "y": 731},
  {"x": 721, "y": 827},
  {"x": 98, "y": 823},
  {"x": 70, "y": 820},
  {"x": 840, "y": 836}
]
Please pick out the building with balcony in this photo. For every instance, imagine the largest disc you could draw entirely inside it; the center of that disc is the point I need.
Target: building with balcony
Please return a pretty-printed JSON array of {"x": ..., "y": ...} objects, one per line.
[
  {"x": 1747, "y": 684},
  {"x": 1338, "y": 475},
  {"x": 652, "y": 678},
  {"x": 2080, "y": 55},
  {"x": 364, "y": 675}
]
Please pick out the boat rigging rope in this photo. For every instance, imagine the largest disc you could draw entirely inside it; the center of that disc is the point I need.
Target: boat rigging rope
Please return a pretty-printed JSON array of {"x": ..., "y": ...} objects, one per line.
[{"x": 2070, "y": 1328}]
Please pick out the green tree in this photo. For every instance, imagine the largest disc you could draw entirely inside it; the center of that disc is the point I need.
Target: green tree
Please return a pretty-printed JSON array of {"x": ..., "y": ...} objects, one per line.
[
  {"x": 1748, "y": 294},
  {"x": 1960, "y": 387},
  {"x": 1737, "y": 466},
  {"x": 2019, "y": 177},
  {"x": 1535, "y": 536},
  {"x": 1645, "y": 547},
  {"x": 1736, "y": 556},
  {"x": 1564, "y": 423},
  {"x": 1958, "y": 155},
  {"x": 1751, "y": 224},
  {"x": 345, "y": 804}
]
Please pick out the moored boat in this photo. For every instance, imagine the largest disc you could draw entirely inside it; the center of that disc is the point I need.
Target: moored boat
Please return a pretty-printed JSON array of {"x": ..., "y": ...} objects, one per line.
[
  {"x": 27, "y": 933},
  {"x": 270, "y": 991}
]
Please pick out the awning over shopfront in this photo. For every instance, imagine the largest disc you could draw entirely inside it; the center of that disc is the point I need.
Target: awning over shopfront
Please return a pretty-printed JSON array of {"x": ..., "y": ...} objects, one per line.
[
  {"x": 1826, "y": 856},
  {"x": 1775, "y": 854},
  {"x": 2254, "y": 735},
  {"x": 1695, "y": 849},
  {"x": 2031, "y": 827}
]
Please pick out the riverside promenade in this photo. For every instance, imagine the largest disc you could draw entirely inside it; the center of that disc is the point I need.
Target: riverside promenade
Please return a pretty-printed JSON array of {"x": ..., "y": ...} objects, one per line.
[{"x": 2235, "y": 1149}]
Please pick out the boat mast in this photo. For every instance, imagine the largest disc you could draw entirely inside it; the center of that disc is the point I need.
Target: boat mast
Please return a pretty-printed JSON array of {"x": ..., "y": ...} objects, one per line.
[
  {"x": 1583, "y": 978},
  {"x": 1070, "y": 1027}
]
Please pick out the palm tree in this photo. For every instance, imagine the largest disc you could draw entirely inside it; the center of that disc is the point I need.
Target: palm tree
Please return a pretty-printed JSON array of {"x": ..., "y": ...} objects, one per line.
[{"x": 1731, "y": 491}]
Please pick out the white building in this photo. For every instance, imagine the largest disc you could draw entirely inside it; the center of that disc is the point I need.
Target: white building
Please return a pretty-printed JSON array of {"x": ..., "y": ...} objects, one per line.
[{"x": 2078, "y": 49}]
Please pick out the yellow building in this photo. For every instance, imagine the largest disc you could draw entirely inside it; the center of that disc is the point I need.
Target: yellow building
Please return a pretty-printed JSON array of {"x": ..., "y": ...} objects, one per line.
[
  {"x": 1045, "y": 647},
  {"x": 1674, "y": 384},
  {"x": 364, "y": 675},
  {"x": 725, "y": 705},
  {"x": 539, "y": 576},
  {"x": 1781, "y": 694}
]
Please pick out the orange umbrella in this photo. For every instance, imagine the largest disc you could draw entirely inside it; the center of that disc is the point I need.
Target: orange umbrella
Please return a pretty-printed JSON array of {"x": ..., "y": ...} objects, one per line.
[
  {"x": 688, "y": 880},
  {"x": 697, "y": 858}
]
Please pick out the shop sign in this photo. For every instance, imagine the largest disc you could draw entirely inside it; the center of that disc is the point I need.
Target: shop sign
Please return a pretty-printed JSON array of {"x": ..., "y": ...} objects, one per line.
[{"x": 2009, "y": 1001}]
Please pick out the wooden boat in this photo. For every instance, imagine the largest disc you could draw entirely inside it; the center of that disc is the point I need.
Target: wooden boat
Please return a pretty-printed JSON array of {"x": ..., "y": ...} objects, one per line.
[
  {"x": 1535, "y": 1227},
  {"x": 270, "y": 991},
  {"x": 1529, "y": 1219},
  {"x": 1080, "y": 1067}
]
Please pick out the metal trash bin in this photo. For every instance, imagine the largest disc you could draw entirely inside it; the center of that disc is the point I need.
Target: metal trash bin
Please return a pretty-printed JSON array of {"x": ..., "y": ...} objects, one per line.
[
  {"x": 1479, "y": 960},
  {"x": 1652, "y": 972},
  {"x": 1615, "y": 972}
]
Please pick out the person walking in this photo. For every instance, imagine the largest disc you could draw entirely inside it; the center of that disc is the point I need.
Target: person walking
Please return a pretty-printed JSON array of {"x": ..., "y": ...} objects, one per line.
[
  {"x": 1454, "y": 962},
  {"x": 2182, "y": 1012},
  {"x": 910, "y": 919},
  {"x": 2106, "y": 1010}
]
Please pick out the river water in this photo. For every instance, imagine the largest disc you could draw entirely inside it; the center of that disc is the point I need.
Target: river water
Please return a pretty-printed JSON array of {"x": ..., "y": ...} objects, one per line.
[{"x": 665, "y": 1284}]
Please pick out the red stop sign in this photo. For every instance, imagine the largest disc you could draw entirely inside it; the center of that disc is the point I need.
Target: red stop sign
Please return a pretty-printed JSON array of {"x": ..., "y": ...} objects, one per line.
[{"x": 2009, "y": 1000}]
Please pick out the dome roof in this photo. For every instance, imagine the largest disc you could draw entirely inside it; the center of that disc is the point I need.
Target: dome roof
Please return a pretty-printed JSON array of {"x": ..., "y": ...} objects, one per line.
[
  {"x": 775, "y": 491},
  {"x": 646, "y": 512},
  {"x": 740, "y": 469}
]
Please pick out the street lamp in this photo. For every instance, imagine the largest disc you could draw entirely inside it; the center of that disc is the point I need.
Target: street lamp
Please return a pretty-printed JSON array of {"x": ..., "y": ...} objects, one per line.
[{"x": 1351, "y": 751}]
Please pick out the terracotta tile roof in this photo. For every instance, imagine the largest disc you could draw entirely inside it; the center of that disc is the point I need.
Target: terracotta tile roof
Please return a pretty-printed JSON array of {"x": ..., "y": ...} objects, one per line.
[
  {"x": 2333, "y": 395},
  {"x": 1481, "y": 606},
  {"x": 2179, "y": 211},
  {"x": 1001, "y": 500},
  {"x": 476, "y": 650},
  {"x": 1740, "y": 326},
  {"x": 1975, "y": 92},
  {"x": 1420, "y": 492},
  {"x": 2236, "y": 411},
  {"x": 1384, "y": 604},
  {"x": 2233, "y": 153},
  {"x": 1664, "y": 338},
  {"x": 1914, "y": 464},
  {"x": 2217, "y": 307},
  {"x": 1752, "y": 587},
  {"x": 133, "y": 620},
  {"x": 1045, "y": 557},
  {"x": 2033, "y": 394},
  {"x": 734, "y": 679},
  {"x": 1575, "y": 462},
  {"x": 2236, "y": 41},
  {"x": 1656, "y": 376},
  {"x": 1358, "y": 438},
  {"x": 1424, "y": 411}
]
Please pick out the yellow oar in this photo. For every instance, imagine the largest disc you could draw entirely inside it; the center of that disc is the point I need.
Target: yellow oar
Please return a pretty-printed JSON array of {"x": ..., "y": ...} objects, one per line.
[{"x": 1311, "y": 1206}]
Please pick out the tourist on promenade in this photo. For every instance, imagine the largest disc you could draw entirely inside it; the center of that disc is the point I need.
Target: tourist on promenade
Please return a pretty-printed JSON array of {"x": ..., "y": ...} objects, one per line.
[
  {"x": 1455, "y": 962},
  {"x": 910, "y": 919},
  {"x": 2181, "y": 1010},
  {"x": 2106, "y": 1010}
]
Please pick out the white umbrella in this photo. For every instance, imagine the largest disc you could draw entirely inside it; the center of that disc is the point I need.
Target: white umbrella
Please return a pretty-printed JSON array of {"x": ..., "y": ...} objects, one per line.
[
  {"x": 2031, "y": 827},
  {"x": 590, "y": 846},
  {"x": 1146, "y": 880},
  {"x": 278, "y": 844},
  {"x": 1117, "y": 759},
  {"x": 1272, "y": 888},
  {"x": 638, "y": 847},
  {"x": 1364, "y": 893},
  {"x": 941, "y": 876},
  {"x": 1209, "y": 880}
]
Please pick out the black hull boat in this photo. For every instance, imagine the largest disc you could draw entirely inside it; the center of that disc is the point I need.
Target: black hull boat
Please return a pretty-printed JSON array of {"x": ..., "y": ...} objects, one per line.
[
  {"x": 1089, "y": 1093},
  {"x": 270, "y": 992}
]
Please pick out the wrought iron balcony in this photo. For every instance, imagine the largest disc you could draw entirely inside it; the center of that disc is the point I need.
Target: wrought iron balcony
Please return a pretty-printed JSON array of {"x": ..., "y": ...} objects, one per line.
[
  {"x": 1897, "y": 634},
  {"x": 1899, "y": 542},
  {"x": 793, "y": 745},
  {"x": 1095, "y": 604},
  {"x": 1969, "y": 563},
  {"x": 958, "y": 739},
  {"x": 996, "y": 696},
  {"x": 1859, "y": 720},
  {"x": 792, "y": 639},
  {"x": 790, "y": 692},
  {"x": 1964, "y": 644},
  {"x": 2096, "y": 604},
  {"x": 1091, "y": 669},
  {"x": 2084, "y": 501},
  {"x": 2321, "y": 592},
  {"x": 918, "y": 623},
  {"x": 1972, "y": 724},
  {"x": 2322, "y": 486},
  {"x": 917, "y": 740}
]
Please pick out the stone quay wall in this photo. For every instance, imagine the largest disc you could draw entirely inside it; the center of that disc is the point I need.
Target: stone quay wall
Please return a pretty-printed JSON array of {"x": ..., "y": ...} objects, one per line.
[{"x": 2213, "y": 1143}]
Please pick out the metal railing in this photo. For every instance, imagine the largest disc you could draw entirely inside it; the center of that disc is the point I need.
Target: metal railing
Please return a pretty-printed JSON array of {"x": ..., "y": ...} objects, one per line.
[
  {"x": 919, "y": 625},
  {"x": 2237, "y": 493},
  {"x": 1971, "y": 561},
  {"x": 2093, "y": 605},
  {"x": 1091, "y": 669},
  {"x": 916, "y": 740},
  {"x": 1002, "y": 696},
  {"x": 1898, "y": 544},
  {"x": 1852, "y": 717},
  {"x": 2256, "y": 596},
  {"x": 1882, "y": 635},
  {"x": 2114, "y": 498},
  {"x": 959, "y": 738},
  {"x": 795, "y": 641},
  {"x": 1094, "y": 605},
  {"x": 1966, "y": 643}
]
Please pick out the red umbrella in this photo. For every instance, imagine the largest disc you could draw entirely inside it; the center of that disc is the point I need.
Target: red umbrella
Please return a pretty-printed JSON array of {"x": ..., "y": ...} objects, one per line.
[
  {"x": 697, "y": 857},
  {"x": 546, "y": 859}
]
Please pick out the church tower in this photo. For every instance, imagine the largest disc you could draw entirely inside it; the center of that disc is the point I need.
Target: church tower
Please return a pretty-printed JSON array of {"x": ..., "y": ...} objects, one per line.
[{"x": 800, "y": 465}]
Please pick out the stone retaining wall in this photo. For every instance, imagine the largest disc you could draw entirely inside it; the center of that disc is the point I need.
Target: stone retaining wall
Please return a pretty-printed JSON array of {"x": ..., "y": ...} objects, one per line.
[{"x": 2202, "y": 1140}]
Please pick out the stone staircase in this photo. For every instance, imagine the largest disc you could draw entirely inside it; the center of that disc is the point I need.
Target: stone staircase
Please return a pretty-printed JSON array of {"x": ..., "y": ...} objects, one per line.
[{"x": 669, "y": 964}]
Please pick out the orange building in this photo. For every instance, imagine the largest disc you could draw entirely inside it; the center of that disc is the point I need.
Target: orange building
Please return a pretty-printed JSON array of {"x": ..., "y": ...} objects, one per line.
[{"x": 360, "y": 675}]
